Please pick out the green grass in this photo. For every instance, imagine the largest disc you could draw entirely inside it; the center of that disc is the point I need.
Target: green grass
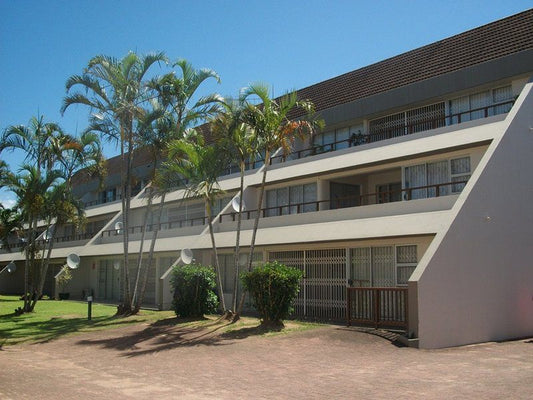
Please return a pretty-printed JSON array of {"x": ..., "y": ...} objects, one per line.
[{"x": 52, "y": 319}]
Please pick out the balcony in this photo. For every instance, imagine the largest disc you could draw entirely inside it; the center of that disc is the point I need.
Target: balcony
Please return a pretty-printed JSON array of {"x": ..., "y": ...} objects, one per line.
[
  {"x": 192, "y": 226},
  {"x": 385, "y": 133}
]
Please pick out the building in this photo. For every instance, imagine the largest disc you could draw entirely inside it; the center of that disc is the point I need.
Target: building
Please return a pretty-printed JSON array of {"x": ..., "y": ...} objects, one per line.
[{"x": 419, "y": 183}]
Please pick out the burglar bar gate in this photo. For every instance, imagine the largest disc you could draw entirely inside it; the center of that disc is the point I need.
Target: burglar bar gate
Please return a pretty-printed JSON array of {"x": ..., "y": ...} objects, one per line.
[
  {"x": 380, "y": 307},
  {"x": 322, "y": 293}
]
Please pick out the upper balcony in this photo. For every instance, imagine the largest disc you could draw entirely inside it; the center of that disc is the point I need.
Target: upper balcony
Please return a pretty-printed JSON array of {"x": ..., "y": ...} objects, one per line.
[{"x": 454, "y": 111}]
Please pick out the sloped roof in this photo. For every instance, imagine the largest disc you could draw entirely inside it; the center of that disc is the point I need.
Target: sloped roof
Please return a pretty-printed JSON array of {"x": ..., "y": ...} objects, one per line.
[{"x": 488, "y": 42}]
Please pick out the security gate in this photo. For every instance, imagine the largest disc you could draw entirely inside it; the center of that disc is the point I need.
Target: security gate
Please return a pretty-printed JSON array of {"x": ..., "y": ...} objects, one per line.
[{"x": 323, "y": 290}]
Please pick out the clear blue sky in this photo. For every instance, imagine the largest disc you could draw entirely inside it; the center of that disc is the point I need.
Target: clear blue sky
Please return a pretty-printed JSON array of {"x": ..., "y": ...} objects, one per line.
[{"x": 287, "y": 44}]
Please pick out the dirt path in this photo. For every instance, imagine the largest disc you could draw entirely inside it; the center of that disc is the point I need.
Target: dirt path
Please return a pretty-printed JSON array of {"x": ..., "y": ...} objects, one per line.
[{"x": 168, "y": 362}]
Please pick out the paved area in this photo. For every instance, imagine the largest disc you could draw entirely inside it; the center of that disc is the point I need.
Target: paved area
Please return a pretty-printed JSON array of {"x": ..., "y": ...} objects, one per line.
[{"x": 167, "y": 362}]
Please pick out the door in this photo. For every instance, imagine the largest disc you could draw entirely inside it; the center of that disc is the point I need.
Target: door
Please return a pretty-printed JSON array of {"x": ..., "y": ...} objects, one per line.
[{"x": 343, "y": 195}]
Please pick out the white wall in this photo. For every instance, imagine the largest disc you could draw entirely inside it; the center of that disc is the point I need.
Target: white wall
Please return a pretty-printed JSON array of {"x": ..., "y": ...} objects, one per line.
[{"x": 475, "y": 282}]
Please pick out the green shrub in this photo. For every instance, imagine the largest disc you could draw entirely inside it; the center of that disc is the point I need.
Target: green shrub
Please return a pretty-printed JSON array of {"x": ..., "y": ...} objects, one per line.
[
  {"x": 273, "y": 288},
  {"x": 194, "y": 293}
]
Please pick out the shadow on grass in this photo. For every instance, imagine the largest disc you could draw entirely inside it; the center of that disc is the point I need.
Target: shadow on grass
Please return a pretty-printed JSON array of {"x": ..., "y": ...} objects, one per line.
[
  {"x": 174, "y": 333},
  {"x": 9, "y": 300},
  {"x": 23, "y": 330}
]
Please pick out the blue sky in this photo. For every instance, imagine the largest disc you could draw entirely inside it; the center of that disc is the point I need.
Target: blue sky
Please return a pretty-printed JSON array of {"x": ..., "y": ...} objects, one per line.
[{"x": 287, "y": 44}]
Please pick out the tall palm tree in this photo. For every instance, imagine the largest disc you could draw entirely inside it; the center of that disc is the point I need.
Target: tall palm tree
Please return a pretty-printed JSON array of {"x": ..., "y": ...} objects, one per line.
[
  {"x": 116, "y": 92},
  {"x": 173, "y": 112},
  {"x": 272, "y": 123},
  {"x": 30, "y": 187},
  {"x": 201, "y": 166},
  {"x": 42, "y": 144},
  {"x": 239, "y": 139}
]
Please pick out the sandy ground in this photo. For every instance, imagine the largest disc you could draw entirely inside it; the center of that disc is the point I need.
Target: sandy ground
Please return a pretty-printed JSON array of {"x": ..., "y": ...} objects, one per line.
[{"x": 333, "y": 362}]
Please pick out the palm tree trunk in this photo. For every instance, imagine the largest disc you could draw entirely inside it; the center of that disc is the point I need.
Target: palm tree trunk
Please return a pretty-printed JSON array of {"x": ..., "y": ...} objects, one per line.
[
  {"x": 45, "y": 262},
  {"x": 217, "y": 264},
  {"x": 237, "y": 241},
  {"x": 150, "y": 254},
  {"x": 27, "y": 264},
  {"x": 125, "y": 307},
  {"x": 256, "y": 223},
  {"x": 139, "y": 258}
]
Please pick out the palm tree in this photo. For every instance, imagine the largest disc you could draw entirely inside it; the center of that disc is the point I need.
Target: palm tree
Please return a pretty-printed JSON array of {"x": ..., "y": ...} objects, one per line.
[
  {"x": 36, "y": 140},
  {"x": 42, "y": 143},
  {"x": 116, "y": 92},
  {"x": 201, "y": 166},
  {"x": 61, "y": 207},
  {"x": 10, "y": 225},
  {"x": 173, "y": 112},
  {"x": 275, "y": 130},
  {"x": 230, "y": 129},
  {"x": 30, "y": 187}
]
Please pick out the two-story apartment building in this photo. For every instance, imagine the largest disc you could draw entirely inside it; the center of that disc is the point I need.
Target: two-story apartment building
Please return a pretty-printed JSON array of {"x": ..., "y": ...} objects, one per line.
[{"x": 416, "y": 195}]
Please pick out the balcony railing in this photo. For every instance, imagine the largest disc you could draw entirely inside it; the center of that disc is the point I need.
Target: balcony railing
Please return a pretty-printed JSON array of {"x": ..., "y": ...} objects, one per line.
[
  {"x": 59, "y": 239},
  {"x": 437, "y": 190},
  {"x": 162, "y": 226},
  {"x": 69, "y": 238},
  {"x": 118, "y": 196},
  {"x": 312, "y": 206},
  {"x": 396, "y": 131}
]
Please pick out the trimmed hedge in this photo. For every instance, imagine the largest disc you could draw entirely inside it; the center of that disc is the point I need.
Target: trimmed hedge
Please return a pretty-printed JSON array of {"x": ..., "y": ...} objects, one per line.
[
  {"x": 194, "y": 293},
  {"x": 273, "y": 288}
]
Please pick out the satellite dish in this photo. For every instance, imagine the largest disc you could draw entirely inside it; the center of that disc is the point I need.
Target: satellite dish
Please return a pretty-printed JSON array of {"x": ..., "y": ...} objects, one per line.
[
  {"x": 186, "y": 256},
  {"x": 118, "y": 227},
  {"x": 47, "y": 235},
  {"x": 243, "y": 258},
  {"x": 73, "y": 261},
  {"x": 235, "y": 204},
  {"x": 116, "y": 264},
  {"x": 11, "y": 267}
]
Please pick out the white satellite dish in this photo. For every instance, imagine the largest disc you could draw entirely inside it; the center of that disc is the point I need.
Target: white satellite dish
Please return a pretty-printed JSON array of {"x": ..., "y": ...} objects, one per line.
[
  {"x": 73, "y": 261},
  {"x": 118, "y": 227},
  {"x": 116, "y": 264},
  {"x": 186, "y": 256},
  {"x": 11, "y": 267},
  {"x": 47, "y": 235},
  {"x": 243, "y": 259},
  {"x": 235, "y": 204}
]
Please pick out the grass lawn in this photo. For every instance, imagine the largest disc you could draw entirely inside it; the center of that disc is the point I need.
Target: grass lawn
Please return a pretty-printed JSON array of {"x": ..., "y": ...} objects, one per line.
[{"x": 53, "y": 319}]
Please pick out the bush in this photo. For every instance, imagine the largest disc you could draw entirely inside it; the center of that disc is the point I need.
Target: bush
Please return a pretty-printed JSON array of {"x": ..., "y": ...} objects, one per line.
[
  {"x": 194, "y": 293},
  {"x": 273, "y": 287}
]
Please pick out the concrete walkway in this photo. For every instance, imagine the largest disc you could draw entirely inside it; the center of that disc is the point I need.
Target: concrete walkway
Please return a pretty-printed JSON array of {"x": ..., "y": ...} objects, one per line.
[{"x": 143, "y": 362}]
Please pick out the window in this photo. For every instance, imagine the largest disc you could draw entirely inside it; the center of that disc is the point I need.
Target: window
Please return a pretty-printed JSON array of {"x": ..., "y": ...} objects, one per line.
[
  {"x": 338, "y": 138},
  {"x": 107, "y": 196},
  {"x": 432, "y": 178},
  {"x": 460, "y": 172},
  {"x": 406, "y": 261},
  {"x": 389, "y": 192},
  {"x": 291, "y": 200},
  {"x": 382, "y": 266},
  {"x": 481, "y": 104},
  {"x": 406, "y": 122},
  {"x": 193, "y": 213}
]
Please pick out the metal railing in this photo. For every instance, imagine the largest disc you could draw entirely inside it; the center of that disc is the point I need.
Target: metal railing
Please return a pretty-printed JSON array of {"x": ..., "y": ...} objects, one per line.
[
  {"x": 384, "y": 134},
  {"x": 377, "y": 306},
  {"x": 58, "y": 239},
  {"x": 198, "y": 221},
  {"x": 436, "y": 190}
]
